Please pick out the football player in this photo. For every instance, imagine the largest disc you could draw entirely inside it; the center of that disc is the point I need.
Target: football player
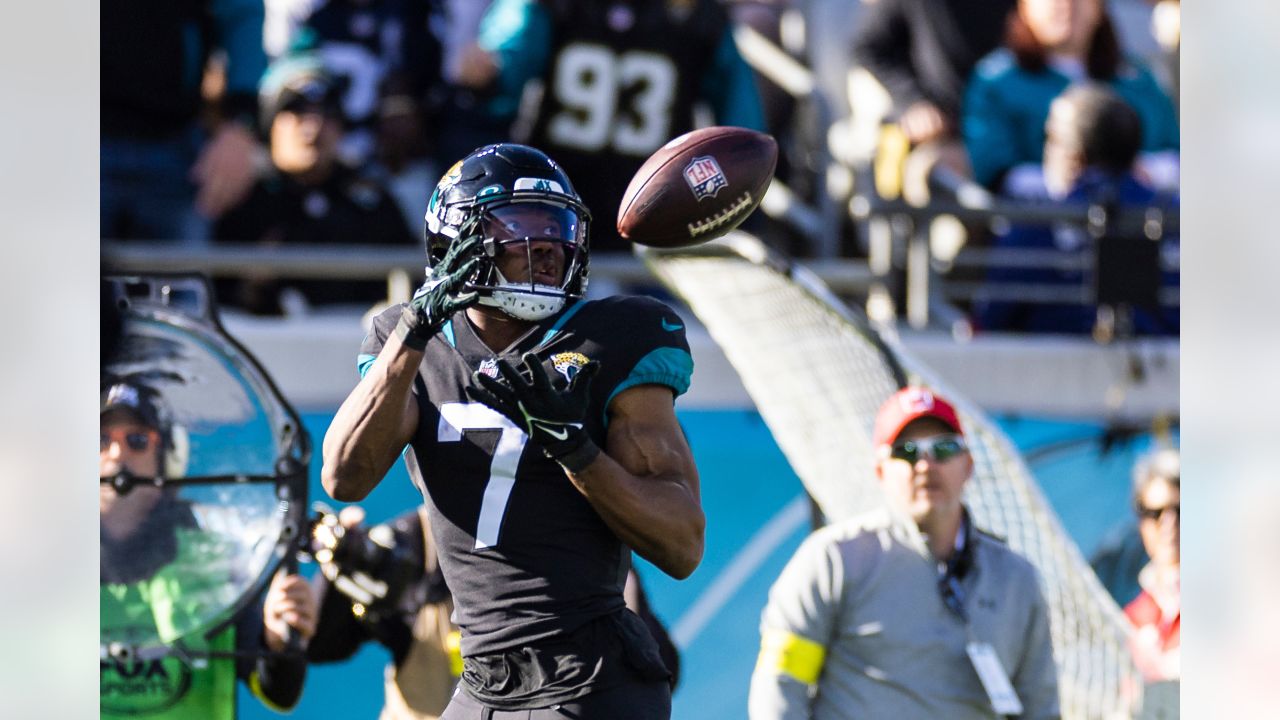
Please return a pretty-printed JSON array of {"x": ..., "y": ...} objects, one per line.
[{"x": 542, "y": 432}]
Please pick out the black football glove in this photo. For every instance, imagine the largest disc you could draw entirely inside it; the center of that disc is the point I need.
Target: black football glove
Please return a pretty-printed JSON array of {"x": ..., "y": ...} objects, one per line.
[
  {"x": 551, "y": 417},
  {"x": 439, "y": 297}
]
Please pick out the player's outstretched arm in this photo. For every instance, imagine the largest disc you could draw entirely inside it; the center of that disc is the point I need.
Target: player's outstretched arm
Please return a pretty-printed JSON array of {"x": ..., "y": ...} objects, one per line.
[
  {"x": 645, "y": 485},
  {"x": 372, "y": 425},
  {"x": 379, "y": 417}
]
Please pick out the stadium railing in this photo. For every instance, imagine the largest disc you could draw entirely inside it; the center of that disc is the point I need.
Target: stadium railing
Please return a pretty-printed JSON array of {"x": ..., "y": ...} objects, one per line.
[{"x": 900, "y": 252}]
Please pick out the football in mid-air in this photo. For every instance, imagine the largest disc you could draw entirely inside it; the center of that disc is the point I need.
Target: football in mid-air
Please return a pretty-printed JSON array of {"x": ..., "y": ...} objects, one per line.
[{"x": 697, "y": 187}]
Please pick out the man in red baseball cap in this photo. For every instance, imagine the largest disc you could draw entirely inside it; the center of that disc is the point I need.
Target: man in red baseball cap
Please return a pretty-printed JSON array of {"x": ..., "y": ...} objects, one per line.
[
  {"x": 865, "y": 620},
  {"x": 923, "y": 463}
]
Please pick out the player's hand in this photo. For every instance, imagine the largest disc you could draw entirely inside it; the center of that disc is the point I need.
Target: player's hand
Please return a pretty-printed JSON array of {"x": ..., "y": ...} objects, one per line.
[
  {"x": 552, "y": 417},
  {"x": 290, "y": 603},
  {"x": 441, "y": 295}
]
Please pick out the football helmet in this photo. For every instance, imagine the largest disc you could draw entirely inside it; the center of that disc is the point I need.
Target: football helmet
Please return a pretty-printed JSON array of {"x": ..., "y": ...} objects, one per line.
[{"x": 519, "y": 201}]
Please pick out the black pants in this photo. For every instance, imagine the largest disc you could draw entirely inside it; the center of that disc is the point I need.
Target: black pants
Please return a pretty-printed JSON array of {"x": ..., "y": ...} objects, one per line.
[{"x": 635, "y": 700}]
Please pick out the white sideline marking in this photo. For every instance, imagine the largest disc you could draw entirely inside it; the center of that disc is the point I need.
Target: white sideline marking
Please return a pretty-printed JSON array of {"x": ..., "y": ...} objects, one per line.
[{"x": 747, "y": 561}]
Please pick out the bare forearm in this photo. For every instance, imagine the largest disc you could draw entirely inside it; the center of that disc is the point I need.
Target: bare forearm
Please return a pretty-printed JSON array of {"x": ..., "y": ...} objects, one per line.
[
  {"x": 371, "y": 427},
  {"x": 657, "y": 516}
]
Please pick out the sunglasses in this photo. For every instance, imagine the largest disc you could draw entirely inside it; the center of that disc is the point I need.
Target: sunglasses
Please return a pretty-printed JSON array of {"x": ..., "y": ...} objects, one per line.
[
  {"x": 135, "y": 441},
  {"x": 1147, "y": 513},
  {"x": 939, "y": 448}
]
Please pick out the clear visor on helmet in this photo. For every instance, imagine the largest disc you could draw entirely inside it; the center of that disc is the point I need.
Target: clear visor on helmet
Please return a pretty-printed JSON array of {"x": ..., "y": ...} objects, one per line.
[
  {"x": 533, "y": 243},
  {"x": 531, "y": 221}
]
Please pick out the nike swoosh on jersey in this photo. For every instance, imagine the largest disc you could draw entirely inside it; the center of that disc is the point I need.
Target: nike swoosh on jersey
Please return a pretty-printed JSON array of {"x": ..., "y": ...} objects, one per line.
[{"x": 670, "y": 327}]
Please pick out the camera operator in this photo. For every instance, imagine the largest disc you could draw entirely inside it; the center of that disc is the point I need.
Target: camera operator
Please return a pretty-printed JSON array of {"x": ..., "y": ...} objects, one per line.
[
  {"x": 384, "y": 584},
  {"x": 159, "y": 573}
]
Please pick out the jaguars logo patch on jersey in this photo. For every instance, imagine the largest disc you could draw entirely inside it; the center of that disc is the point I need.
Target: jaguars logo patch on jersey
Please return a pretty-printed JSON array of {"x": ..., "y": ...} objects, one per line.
[{"x": 569, "y": 363}]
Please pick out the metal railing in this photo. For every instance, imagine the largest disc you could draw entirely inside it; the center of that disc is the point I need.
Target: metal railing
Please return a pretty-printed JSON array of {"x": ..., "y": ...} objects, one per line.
[
  {"x": 377, "y": 262},
  {"x": 900, "y": 230}
]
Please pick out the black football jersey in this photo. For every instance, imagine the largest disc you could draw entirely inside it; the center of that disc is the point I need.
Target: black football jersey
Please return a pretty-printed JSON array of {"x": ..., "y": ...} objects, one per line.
[
  {"x": 623, "y": 79},
  {"x": 525, "y": 554}
]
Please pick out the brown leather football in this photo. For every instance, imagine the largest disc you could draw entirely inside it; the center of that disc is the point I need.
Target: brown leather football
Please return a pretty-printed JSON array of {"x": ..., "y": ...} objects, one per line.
[{"x": 697, "y": 187}]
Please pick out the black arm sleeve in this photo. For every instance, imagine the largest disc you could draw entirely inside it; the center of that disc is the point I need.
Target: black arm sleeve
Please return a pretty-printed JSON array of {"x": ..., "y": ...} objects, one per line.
[{"x": 279, "y": 677}]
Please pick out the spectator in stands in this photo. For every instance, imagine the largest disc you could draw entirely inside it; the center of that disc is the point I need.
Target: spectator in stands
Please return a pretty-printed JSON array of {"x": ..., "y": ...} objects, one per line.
[
  {"x": 890, "y": 614},
  {"x": 156, "y": 581},
  {"x": 1048, "y": 45},
  {"x": 385, "y": 584},
  {"x": 386, "y": 60},
  {"x": 164, "y": 174},
  {"x": 308, "y": 196},
  {"x": 464, "y": 99},
  {"x": 1157, "y": 612},
  {"x": 1117, "y": 560},
  {"x": 619, "y": 80},
  {"x": 1092, "y": 140},
  {"x": 923, "y": 52},
  {"x": 766, "y": 18}
]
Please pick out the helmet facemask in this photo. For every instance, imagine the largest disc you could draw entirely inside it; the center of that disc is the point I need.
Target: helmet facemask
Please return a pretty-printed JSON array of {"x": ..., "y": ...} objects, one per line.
[
  {"x": 523, "y": 206},
  {"x": 547, "y": 234},
  {"x": 542, "y": 244}
]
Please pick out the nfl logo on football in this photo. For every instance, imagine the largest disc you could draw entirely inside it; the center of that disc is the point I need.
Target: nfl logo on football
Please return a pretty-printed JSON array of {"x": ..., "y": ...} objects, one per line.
[{"x": 705, "y": 177}]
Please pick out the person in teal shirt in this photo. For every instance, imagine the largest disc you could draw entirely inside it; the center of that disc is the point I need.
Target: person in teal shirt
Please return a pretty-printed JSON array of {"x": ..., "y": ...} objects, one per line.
[
  {"x": 163, "y": 579},
  {"x": 1048, "y": 46}
]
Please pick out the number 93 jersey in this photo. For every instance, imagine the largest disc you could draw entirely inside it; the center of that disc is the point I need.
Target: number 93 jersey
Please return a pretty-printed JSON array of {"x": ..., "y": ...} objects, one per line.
[
  {"x": 623, "y": 79},
  {"x": 526, "y": 556}
]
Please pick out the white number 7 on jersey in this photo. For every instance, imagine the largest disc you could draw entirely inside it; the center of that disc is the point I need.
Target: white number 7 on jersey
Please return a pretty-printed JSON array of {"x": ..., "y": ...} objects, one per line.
[{"x": 456, "y": 417}]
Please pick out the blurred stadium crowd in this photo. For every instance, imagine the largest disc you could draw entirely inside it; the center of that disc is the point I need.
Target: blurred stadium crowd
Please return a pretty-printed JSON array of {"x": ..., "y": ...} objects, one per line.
[{"x": 1009, "y": 139}]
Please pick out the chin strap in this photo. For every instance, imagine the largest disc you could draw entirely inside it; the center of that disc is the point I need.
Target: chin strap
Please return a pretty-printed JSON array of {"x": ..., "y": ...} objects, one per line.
[{"x": 523, "y": 301}]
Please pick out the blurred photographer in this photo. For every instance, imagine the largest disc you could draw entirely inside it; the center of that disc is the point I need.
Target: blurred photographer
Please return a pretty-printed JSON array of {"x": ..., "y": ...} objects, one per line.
[{"x": 384, "y": 584}]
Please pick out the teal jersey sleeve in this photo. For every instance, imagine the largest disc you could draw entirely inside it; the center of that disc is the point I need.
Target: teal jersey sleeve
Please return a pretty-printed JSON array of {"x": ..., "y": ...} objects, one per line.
[
  {"x": 380, "y": 329},
  {"x": 730, "y": 87},
  {"x": 518, "y": 34},
  {"x": 670, "y": 366}
]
